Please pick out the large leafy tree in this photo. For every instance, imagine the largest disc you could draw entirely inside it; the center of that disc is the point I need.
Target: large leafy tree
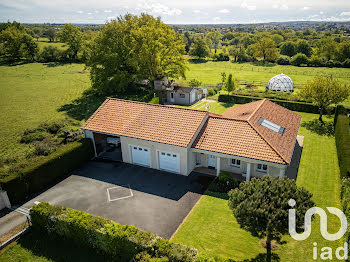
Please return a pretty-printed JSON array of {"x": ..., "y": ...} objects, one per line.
[
  {"x": 288, "y": 48},
  {"x": 214, "y": 38},
  {"x": 325, "y": 91},
  {"x": 261, "y": 207},
  {"x": 304, "y": 47},
  {"x": 73, "y": 37},
  {"x": 199, "y": 48},
  {"x": 266, "y": 49},
  {"x": 51, "y": 34},
  {"x": 134, "y": 48},
  {"x": 16, "y": 42}
]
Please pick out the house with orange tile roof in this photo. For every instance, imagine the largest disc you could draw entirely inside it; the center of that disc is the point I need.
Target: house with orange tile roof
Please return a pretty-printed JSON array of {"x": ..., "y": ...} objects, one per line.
[{"x": 251, "y": 140}]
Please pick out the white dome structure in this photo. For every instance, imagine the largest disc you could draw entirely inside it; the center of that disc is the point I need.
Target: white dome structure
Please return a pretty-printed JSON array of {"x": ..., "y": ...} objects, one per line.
[{"x": 281, "y": 82}]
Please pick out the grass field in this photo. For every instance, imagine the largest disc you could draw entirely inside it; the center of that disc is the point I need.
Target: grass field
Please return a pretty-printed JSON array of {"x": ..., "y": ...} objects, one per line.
[
  {"x": 31, "y": 94},
  {"x": 42, "y": 42},
  {"x": 209, "y": 73},
  {"x": 212, "y": 229}
]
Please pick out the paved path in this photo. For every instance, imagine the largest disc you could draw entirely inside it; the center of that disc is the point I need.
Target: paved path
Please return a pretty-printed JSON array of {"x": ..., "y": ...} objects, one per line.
[{"x": 11, "y": 221}]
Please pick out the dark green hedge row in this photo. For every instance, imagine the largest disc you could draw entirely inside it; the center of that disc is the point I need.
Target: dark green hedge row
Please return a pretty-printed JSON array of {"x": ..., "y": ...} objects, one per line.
[
  {"x": 47, "y": 170},
  {"x": 295, "y": 106},
  {"x": 120, "y": 242},
  {"x": 342, "y": 140}
]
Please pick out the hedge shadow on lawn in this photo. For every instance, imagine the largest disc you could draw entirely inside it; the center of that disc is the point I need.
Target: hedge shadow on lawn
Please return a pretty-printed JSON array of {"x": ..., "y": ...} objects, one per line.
[
  {"x": 315, "y": 126},
  {"x": 262, "y": 258},
  {"x": 82, "y": 108},
  {"x": 56, "y": 248}
]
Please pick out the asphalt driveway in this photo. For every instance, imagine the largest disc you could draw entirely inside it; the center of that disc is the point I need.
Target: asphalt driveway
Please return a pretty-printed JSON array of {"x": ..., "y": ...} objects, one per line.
[{"x": 146, "y": 198}]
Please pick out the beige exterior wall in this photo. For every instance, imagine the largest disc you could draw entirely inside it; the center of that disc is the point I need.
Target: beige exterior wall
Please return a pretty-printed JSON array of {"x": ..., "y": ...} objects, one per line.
[
  {"x": 127, "y": 142},
  {"x": 225, "y": 165}
]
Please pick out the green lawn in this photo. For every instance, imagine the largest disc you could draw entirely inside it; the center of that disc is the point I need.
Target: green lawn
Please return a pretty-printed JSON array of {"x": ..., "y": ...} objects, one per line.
[
  {"x": 45, "y": 42},
  {"x": 209, "y": 73},
  {"x": 214, "y": 107},
  {"x": 43, "y": 248},
  {"x": 31, "y": 94},
  {"x": 212, "y": 229}
]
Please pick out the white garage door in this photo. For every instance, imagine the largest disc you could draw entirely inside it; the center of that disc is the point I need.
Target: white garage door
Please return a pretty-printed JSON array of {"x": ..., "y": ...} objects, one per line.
[
  {"x": 169, "y": 162},
  {"x": 140, "y": 155}
]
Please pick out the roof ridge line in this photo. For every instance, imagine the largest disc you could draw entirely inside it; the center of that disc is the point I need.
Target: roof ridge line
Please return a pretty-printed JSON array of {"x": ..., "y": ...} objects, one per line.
[
  {"x": 256, "y": 109},
  {"x": 159, "y": 105},
  {"x": 278, "y": 153},
  {"x": 95, "y": 113}
]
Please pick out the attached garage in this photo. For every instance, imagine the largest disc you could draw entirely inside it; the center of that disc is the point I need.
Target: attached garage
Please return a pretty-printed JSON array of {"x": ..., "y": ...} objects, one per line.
[
  {"x": 140, "y": 156},
  {"x": 169, "y": 161}
]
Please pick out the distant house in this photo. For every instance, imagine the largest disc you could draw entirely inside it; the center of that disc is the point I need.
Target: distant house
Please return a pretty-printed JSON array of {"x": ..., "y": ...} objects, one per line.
[
  {"x": 178, "y": 95},
  {"x": 250, "y": 140}
]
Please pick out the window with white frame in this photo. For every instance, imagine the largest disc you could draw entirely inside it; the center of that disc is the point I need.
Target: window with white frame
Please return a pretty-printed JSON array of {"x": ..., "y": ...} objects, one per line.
[
  {"x": 235, "y": 162},
  {"x": 261, "y": 168},
  {"x": 182, "y": 95}
]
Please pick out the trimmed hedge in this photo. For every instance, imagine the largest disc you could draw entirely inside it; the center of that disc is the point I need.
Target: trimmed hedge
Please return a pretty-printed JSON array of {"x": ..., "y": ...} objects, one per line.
[
  {"x": 47, "y": 170},
  {"x": 342, "y": 140},
  {"x": 295, "y": 106},
  {"x": 120, "y": 242}
]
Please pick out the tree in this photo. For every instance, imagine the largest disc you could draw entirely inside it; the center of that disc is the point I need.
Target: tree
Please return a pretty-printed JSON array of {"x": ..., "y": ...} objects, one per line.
[
  {"x": 230, "y": 84},
  {"x": 30, "y": 48},
  {"x": 199, "y": 48},
  {"x": 304, "y": 47},
  {"x": 325, "y": 91},
  {"x": 16, "y": 42},
  {"x": 214, "y": 38},
  {"x": 299, "y": 59},
  {"x": 134, "y": 48},
  {"x": 288, "y": 48},
  {"x": 73, "y": 37},
  {"x": 194, "y": 83},
  {"x": 50, "y": 54},
  {"x": 327, "y": 47},
  {"x": 265, "y": 48},
  {"x": 51, "y": 34},
  {"x": 278, "y": 39},
  {"x": 261, "y": 207},
  {"x": 12, "y": 40},
  {"x": 343, "y": 51}
]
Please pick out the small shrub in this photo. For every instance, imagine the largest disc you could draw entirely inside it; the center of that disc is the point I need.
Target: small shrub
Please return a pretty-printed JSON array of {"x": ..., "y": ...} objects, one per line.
[
  {"x": 145, "y": 257},
  {"x": 283, "y": 60},
  {"x": 35, "y": 135},
  {"x": 222, "y": 57},
  {"x": 299, "y": 60},
  {"x": 44, "y": 147},
  {"x": 224, "y": 183},
  {"x": 194, "y": 83},
  {"x": 212, "y": 91}
]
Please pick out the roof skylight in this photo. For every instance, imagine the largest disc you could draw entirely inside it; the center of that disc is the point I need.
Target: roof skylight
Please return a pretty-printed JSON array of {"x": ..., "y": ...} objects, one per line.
[{"x": 272, "y": 126}]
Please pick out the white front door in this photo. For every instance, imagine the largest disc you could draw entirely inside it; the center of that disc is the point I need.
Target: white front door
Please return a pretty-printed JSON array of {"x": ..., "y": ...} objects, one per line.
[
  {"x": 211, "y": 161},
  {"x": 169, "y": 162},
  {"x": 172, "y": 98},
  {"x": 140, "y": 155}
]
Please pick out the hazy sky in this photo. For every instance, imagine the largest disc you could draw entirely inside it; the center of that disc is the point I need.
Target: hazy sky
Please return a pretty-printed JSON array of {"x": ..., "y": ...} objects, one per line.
[{"x": 175, "y": 11}]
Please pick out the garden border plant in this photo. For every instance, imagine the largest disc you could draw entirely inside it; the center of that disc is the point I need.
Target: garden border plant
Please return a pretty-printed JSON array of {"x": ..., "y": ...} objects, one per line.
[
  {"x": 46, "y": 170},
  {"x": 120, "y": 242},
  {"x": 295, "y": 106}
]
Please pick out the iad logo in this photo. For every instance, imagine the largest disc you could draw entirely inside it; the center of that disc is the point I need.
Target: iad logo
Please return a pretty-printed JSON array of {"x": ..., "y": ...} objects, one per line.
[{"x": 326, "y": 252}]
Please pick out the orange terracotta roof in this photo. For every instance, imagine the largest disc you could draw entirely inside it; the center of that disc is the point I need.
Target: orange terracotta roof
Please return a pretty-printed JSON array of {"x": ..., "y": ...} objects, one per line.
[
  {"x": 283, "y": 145},
  {"x": 235, "y": 137},
  {"x": 163, "y": 124}
]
